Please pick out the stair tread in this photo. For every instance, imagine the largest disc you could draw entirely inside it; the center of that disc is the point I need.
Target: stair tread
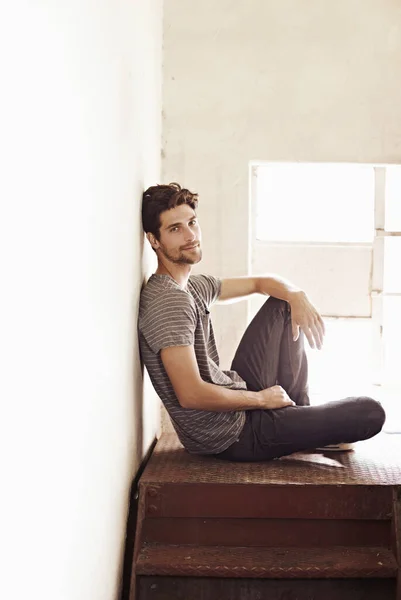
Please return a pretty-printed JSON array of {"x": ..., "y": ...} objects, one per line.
[
  {"x": 216, "y": 561},
  {"x": 373, "y": 463}
]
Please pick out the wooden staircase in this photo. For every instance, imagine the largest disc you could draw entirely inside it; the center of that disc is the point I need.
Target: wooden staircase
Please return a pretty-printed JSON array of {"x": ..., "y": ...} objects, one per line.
[{"x": 302, "y": 527}]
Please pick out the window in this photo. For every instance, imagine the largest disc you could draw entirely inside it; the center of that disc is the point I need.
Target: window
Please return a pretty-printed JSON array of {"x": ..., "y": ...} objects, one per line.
[
  {"x": 335, "y": 230},
  {"x": 393, "y": 199},
  {"x": 315, "y": 203}
]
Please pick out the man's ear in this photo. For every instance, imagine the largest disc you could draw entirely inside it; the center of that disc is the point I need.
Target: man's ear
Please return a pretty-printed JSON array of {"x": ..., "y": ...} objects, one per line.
[{"x": 152, "y": 240}]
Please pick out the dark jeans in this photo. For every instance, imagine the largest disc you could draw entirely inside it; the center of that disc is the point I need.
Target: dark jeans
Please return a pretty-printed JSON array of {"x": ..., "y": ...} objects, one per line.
[{"x": 266, "y": 356}]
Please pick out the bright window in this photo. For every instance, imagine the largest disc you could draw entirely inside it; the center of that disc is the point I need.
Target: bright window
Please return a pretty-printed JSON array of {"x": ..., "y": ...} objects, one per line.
[
  {"x": 392, "y": 265},
  {"x": 315, "y": 203},
  {"x": 335, "y": 230},
  {"x": 393, "y": 198}
]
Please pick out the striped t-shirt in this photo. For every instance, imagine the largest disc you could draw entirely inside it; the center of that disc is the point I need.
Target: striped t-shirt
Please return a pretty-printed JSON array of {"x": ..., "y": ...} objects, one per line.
[{"x": 171, "y": 316}]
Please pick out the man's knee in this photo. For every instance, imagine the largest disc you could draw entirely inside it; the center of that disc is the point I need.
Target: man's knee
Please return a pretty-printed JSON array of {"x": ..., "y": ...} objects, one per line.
[
  {"x": 276, "y": 303},
  {"x": 373, "y": 413}
]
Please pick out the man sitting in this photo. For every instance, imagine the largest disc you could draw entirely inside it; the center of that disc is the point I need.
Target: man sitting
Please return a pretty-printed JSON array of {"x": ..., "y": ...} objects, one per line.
[{"x": 258, "y": 410}]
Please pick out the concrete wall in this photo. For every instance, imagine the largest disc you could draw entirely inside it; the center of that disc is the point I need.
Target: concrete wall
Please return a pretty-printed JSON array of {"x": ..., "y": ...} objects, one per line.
[
  {"x": 80, "y": 123},
  {"x": 288, "y": 80}
]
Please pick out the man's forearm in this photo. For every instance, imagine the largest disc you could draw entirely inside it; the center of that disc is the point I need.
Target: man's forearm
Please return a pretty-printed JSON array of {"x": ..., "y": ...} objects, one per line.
[
  {"x": 209, "y": 396},
  {"x": 304, "y": 316},
  {"x": 278, "y": 287}
]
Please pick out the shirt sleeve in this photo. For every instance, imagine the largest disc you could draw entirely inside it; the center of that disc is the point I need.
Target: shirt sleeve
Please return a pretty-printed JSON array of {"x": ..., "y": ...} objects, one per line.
[
  {"x": 209, "y": 287},
  {"x": 170, "y": 321}
]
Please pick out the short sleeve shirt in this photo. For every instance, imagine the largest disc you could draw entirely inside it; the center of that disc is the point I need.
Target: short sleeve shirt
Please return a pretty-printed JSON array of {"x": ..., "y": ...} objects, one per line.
[{"x": 172, "y": 316}]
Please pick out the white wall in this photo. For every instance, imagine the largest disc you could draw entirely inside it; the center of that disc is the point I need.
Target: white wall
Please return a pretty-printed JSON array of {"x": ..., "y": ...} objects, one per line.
[
  {"x": 80, "y": 138},
  {"x": 288, "y": 80}
]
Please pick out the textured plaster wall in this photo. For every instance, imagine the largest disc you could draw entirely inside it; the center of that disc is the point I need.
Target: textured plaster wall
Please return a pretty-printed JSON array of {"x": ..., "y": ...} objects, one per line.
[{"x": 290, "y": 80}]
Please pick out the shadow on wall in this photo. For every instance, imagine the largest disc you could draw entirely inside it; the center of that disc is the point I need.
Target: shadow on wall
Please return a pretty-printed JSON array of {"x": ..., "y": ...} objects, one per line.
[
  {"x": 140, "y": 390},
  {"x": 131, "y": 529}
]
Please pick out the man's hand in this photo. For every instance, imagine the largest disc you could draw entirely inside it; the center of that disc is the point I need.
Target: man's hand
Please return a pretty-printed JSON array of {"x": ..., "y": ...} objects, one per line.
[
  {"x": 305, "y": 316},
  {"x": 274, "y": 397}
]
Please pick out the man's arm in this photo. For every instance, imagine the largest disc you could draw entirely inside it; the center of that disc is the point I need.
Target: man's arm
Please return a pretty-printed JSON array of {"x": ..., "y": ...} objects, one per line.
[
  {"x": 303, "y": 314},
  {"x": 192, "y": 392},
  {"x": 237, "y": 288}
]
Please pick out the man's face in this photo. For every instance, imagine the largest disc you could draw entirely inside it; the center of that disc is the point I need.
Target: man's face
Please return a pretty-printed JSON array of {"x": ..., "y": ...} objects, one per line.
[{"x": 180, "y": 235}]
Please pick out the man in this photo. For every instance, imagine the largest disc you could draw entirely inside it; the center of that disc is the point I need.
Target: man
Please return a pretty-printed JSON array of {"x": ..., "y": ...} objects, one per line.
[{"x": 259, "y": 409}]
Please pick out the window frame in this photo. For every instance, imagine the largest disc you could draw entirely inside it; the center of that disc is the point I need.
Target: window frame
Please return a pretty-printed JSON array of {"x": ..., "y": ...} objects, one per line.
[{"x": 376, "y": 284}]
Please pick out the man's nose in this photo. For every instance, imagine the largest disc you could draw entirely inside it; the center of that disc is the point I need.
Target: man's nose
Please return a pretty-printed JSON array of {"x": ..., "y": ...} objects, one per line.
[{"x": 189, "y": 235}]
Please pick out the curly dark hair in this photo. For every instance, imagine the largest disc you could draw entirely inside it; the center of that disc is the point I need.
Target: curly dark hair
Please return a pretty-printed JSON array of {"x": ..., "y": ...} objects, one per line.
[{"x": 159, "y": 198}]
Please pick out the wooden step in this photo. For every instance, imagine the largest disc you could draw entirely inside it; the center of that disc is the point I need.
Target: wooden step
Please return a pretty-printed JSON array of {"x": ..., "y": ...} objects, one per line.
[
  {"x": 302, "y": 527},
  {"x": 279, "y": 563},
  {"x": 267, "y": 532},
  {"x": 374, "y": 463},
  {"x": 266, "y": 501},
  {"x": 226, "y": 588}
]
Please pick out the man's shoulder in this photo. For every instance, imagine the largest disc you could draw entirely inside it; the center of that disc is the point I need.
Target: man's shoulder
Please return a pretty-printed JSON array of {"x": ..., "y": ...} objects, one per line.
[
  {"x": 164, "y": 310},
  {"x": 208, "y": 286},
  {"x": 204, "y": 279},
  {"x": 161, "y": 294},
  {"x": 197, "y": 278}
]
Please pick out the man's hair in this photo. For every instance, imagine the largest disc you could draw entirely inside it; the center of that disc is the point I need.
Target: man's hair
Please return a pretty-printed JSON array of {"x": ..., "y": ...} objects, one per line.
[{"x": 158, "y": 199}]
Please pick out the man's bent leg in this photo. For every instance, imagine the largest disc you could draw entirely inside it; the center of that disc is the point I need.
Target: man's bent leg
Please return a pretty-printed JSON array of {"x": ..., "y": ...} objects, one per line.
[
  {"x": 270, "y": 434},
  {"x": 267, "y": 354}
]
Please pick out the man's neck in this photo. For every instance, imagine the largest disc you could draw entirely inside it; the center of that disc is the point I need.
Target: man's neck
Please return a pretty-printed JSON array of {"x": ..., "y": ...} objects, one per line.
[{"x": 180, "y": 273}]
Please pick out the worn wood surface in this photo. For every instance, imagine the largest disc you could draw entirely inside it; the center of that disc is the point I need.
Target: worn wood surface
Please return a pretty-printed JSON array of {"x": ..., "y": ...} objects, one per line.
[
  {"x": 279, "y": 563},
  {"x": 278, "y": 502},
  {"x": 211, "y": 588},
  {"x": 267, "y": 532},
  {"x": 328, "y": 520},
  {"x": 374, "y": 462},
  {"x": 397, "y": 534}
]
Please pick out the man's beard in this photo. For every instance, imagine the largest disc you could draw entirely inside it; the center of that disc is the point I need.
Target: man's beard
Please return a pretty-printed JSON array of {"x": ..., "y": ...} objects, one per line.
[{"x": 181, "y": 259}]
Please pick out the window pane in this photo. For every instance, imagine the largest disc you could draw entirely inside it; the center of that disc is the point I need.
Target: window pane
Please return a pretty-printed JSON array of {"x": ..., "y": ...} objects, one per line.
[
  {"x": 393, "y": 199},
  {"x": 392, "y": 265},
  {"x": 315, "y": 203},
  {"x": 347, "y": 349},
  {"x": 391, "y": 338}
]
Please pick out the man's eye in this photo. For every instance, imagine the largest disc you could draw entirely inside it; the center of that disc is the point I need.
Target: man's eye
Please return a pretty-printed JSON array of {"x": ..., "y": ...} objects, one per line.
[
  {"x": 174, "y": 229},
  {"x": 192, "y": 222}
]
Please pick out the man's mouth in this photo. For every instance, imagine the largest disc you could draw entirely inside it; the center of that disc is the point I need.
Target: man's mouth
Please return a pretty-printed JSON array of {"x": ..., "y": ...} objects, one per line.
[{"x": 191, "y": 247}]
